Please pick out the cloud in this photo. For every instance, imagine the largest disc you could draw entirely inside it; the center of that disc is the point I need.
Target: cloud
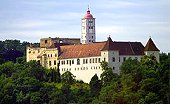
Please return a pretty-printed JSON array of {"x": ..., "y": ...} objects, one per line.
[{"x": 128, "y": 20}]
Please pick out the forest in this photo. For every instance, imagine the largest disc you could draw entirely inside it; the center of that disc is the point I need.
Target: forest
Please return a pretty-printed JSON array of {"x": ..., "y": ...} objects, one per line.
[{"x": 140, "y": 82}]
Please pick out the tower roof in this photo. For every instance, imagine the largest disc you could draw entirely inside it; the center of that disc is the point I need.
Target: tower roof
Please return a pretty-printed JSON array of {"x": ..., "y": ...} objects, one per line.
[
  {"x": 109, "y": 45},
  {"x": 150, "y": 46},
  {"x": 88, "y": 15},
  {"x": 124, "y": 48}
]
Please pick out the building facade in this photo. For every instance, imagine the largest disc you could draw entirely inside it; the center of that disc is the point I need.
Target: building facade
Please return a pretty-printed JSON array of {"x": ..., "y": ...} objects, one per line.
[{"x": 83, "y": 60}]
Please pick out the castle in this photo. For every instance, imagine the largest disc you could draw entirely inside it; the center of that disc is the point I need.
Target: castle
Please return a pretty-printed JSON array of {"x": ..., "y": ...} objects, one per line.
[{"x": 82, "y": 57}]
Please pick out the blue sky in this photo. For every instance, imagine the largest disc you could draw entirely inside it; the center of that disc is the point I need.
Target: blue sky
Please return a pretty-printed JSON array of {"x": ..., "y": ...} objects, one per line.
[{"x": 123, "y": 20}]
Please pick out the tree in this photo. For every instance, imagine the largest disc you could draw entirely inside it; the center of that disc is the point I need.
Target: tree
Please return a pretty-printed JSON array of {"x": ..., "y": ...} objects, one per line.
[
  {"x": 7, "y": 69},
  {"x": 33, "y": 68},
  {"x": 11, "y": 55},
  {"x": 151, "y": 98},
  {"x": 95, "y": 85},
  {"x": 67, "y": 77},
  {"x": 132, "y": 67},
  {"x": 107, "y": 76}
]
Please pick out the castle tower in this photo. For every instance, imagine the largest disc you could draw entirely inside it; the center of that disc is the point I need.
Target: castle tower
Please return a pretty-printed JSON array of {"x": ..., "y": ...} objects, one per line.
[
  {"x": 151, "y": 49},
  {"x": 88, "y": 29}
]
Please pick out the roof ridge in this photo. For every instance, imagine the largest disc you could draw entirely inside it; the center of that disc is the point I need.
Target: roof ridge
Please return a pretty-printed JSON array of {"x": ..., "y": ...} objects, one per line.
[
  {"x": 131, "y": 48},
  {"x": 150, "y": 46}
]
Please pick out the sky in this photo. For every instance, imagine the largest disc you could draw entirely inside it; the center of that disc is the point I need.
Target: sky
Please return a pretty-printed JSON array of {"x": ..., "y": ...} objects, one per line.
[{"x": 122, "y": 20}]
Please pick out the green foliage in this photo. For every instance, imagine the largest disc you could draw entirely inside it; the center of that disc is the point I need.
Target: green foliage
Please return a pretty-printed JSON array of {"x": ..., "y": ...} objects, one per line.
[
  {"x": 95, "y": 85},
  {"x": 107, "y": 76},
  {"x": 7, "y": 69},
  {"x": 68, "y": 77},
  {"x": 10, "y": 50},
  {"x": 145, "y": 82}
]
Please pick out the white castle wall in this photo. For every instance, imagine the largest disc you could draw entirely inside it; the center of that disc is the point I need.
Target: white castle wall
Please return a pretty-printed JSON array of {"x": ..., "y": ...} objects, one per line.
[
  {"x": 155, "y": 53},
  {"x": 83, "y": 71}
]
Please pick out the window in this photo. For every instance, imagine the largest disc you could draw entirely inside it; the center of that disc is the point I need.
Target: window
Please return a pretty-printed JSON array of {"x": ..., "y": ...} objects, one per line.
[
  {"x": 124, "y": 58},
  {"x": 51, "y": 55},
  {"x": 45, "y": 41},
  {"x": 39, "y": 61},
  {"x": 72, "y": 61},
  {"x": 60, "y": 41},
  {"x": 55, "y": 55},
  {"x": 92, "y": 37},
  {"x": 86, "y": 61},
  {"x": 89, "y": 40},
  {"x": 113, "y": 59},
  {"x": 90, "y": 60},
  {"x": 90, "y": 21},
  {"x": 67, "y": 62},
  {"x": 119, "y": 59},
  {"x": 113, "y": 68},
  {"x": 83, "y": 61},
  {"x": 54, "y": 62},
  {"x": 49, "y": 63},
  {"x": 95, "y": 60},
  {"x": 99, "y": 60},
  {"x": 78, "y": 61},
  {"x": 104, "y": 59}
]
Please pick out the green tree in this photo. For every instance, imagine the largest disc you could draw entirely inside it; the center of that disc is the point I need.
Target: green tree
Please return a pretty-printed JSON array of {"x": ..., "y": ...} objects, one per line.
[
  {"x": 67, "y": 77},
  {"x": 34, "y": 69},
  {"x": 54, "y": 75},
  {"x": 35, "y": 98},
  {"x": 95, "y": 85},
  {"x": 7, "y": 69},
  {"x": 107, "y": 76},
  {"x": 132, "y": 67},
  {"x": 7, "y": 91}
]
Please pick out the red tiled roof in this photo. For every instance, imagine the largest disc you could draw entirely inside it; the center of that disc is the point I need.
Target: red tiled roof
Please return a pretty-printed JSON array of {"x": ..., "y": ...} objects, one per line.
[
  {"x": 110, "y": 45},
  {"x": 150, "y": 46},
  {"x": 130, "y": 48},
  {"x": 82, "y": 50},
  {"x": 90, "y": 50},
  {"x": 125, "y": 48}
]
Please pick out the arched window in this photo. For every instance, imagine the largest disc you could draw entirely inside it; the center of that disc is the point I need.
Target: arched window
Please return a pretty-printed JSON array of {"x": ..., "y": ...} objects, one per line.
[{"x": 78, "y": 61}]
